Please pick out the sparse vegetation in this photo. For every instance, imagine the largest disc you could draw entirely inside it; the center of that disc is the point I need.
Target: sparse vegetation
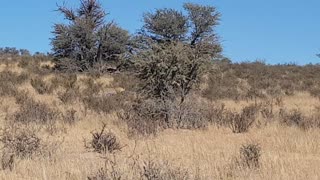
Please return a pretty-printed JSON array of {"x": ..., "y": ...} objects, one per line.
[
  {"x": 241, "y": 122},
  {"x": 40, "y": 86},
  {"x": 35, "y": 112},
  {"x": 171, "y": 106},
  {"x": 104, "y": 142},
  {"x": 250, "y": 156}
]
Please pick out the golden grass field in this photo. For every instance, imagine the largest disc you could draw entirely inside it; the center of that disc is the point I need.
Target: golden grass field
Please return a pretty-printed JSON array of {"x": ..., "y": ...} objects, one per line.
[{"x": 287, "y": 152}]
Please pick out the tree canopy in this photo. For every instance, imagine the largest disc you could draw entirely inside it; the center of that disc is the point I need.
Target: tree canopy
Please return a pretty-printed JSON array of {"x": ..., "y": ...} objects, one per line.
[{"x": 87, "y": 39}]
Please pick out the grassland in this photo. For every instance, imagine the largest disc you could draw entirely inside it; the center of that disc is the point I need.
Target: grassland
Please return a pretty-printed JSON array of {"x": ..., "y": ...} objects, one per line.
[{"x": 290, "y": 146}]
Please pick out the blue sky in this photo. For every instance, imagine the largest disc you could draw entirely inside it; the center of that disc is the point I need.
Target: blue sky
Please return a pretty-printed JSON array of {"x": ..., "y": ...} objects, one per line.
[{"x": 276, "y": 31}]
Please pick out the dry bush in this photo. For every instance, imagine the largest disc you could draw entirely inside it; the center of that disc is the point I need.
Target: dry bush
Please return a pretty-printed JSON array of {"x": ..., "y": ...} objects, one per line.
[
  {"x": 14, "y": 78},
  {"x": 267, "y": 109},
  {"x": 315, "y": 92},
  {"x": 249, "y": 156},
  {"x": 148, "y": 170},
  {"x": 128, "y": 81},
  {"x": 19, "y": 142},
  {"x": 254, "y": 94},
  {"x": 104, "y": 142},
  {"x": 191, "y": 114},
  {"x": 241, "y": 122},
  {"x": 148, "y": 116},
  {"x": 111, "y": 170},
  {"x": 144, "y": 116},
  {"x": 157, "y": 170},
  {"x": 32, "y": 64},
  {"x": 70, "y": 117},
  {"x": 69, "y": 83},
  {"x": 92, "y": 87},
  {"x": 261, "y": 80},
  {"x": 217, "y": 114},
  {"x": 104, "y": 103},
  {"x": 35, "y": 112},
  {"x": 9, "y": 81},
  {"x": 7, "y": 89},
  {"x": 69, "y": 96},
  {"x": 107, "y": 174},
  {"x": 21, "y": 96},
  {"x": 67, "y": 80},
  {"x": 41, "y": 86},
  {"x": 294, "y": 118},
  {"x": 221, "y": 86}
]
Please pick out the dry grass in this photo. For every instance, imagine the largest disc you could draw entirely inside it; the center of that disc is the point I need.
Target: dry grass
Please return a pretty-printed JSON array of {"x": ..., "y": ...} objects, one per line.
[{"x": 287, "y": 152}]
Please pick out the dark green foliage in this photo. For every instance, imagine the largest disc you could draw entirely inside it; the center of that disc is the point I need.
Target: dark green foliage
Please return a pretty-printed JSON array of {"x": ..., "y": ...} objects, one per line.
[
  {"x": 169, "y": 71},
  {"x": 9, "y": 51},
  {"x": 173, "y": 52},
  {"x": 174, "y": 55},
  {"x": 87, "y": 40},
  {"x": 203, "y": 19},
  {"x": 166, "y": 24}
]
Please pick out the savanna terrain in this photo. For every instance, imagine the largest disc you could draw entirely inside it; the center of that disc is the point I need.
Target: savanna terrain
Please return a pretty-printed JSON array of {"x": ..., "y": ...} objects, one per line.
[{"x": 49, "y": 120}]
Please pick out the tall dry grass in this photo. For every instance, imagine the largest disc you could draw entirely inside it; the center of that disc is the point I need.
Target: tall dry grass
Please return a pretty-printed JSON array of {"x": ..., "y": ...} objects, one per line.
[{"x": 285, "y": 151}]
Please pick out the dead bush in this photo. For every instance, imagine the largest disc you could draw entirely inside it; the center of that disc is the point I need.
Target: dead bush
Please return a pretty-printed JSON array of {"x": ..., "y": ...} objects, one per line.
[
  {"x": 107, "y": 174},
  {"x": 144, "y": 116},
  {"x": 216, "y": 114},
  {"x": 21, "y": 96},
  {"x": 191, "y": 114},
  {"x": 146, "y": 170},
  {"x": 7, "y": 89},
  {"x": 21, "y": 142},
  {"x": 315, "y": 92},
  {"x": 103, "y": 103},
  {"x": 40, "y": 86},
  {"x": 241, "y": 122},
  {"x": 70, "y": 117},
  {"x": 9, "y": 81},
  {"x": 69, "y": 96},
  {"x": 12, "y": 77},
  {"x": 221, "y": 86},
  {"x": 92, "y": 87},
  {"x": 157, "y": 170},
  {"x": 33, "y": 64},
  {"x": 67, "y": 80},
  {"x": 35, "y": 112},
  {"x": 148, "y": 116},
  {"x": 110, "y": 171},
  {"x": 266, "y": 109},
  {"x": 104, "y": 142},
  {"x": 249, "y": 156},
  {"x": 125, "y": 80},
  {"x": 294, "y": 118}
]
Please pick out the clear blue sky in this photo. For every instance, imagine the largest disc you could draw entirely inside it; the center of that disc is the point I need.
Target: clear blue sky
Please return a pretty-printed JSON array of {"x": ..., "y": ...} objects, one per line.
[{"x": 277, "y": 31}]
